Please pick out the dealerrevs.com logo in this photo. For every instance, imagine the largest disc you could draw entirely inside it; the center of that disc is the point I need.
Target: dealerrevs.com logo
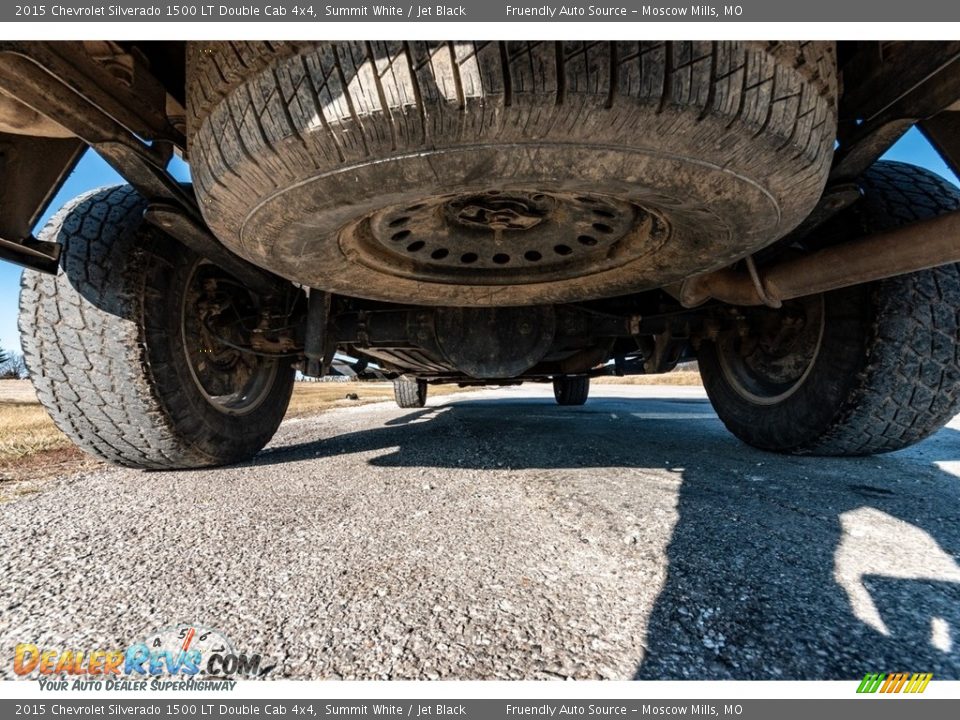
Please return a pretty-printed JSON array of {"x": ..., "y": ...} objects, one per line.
[{"x": 183, "y": 657}]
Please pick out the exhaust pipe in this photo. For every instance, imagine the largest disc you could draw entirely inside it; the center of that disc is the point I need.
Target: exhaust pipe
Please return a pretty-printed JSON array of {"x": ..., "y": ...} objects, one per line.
[{"x": 918, "y": 246}]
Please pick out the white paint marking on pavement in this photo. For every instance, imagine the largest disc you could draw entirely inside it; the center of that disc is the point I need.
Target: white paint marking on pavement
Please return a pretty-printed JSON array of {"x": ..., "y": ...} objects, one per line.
[
  {"x": 675, "y": 416},
  {"x": 949, "y": 466},
  {"x": 940, "y": 634}
]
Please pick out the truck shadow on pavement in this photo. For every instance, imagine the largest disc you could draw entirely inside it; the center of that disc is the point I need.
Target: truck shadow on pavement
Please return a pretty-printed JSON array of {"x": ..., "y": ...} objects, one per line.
[
  {"x": 777, "y": 567},
  {"x": 822, "y": 569}
]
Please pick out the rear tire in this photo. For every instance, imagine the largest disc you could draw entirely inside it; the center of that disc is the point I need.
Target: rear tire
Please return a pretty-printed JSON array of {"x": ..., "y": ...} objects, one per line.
[
  {"x": 410, "y": 393},
  {"x": 571, "y": 389},
  {"x": 108, "y": 347},
  {"x": 867, "y": 369}
]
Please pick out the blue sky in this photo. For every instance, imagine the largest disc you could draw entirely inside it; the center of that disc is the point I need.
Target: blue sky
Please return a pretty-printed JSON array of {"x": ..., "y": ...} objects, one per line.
[{"x": 93, "y": 172}]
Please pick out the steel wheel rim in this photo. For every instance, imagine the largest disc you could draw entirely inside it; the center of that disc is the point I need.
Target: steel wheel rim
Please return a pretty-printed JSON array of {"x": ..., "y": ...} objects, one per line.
[
  {"x": 245, "y": 395},
  {"x": 751, "y": 382}
]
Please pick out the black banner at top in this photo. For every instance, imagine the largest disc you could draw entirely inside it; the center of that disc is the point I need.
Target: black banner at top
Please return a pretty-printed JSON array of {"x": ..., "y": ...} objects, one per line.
[{"x": 633, "y": 11}]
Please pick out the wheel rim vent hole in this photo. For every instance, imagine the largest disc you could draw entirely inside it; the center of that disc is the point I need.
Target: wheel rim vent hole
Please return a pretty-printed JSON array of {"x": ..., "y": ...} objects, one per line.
[
  {"x": 532, "y": 256},
  {"x": 589, "y": 239}
]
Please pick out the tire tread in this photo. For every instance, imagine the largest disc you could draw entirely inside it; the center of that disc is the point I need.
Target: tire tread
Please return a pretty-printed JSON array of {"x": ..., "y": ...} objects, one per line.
[
  {"x": 410, "y": 393},
  {"x": 266, "y": 115},
  {"x": 910, "y": 385},
  {"x": 571, "y": 389},
  {"x": 98, "y": 356}
]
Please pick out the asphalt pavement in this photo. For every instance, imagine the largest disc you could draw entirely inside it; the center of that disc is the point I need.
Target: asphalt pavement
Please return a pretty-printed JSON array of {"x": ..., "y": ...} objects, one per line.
[{"x": 497, "y": 535}]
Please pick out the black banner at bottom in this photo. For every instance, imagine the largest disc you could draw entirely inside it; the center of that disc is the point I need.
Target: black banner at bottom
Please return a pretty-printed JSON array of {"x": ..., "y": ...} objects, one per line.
[{"x": 874, "y": 707}]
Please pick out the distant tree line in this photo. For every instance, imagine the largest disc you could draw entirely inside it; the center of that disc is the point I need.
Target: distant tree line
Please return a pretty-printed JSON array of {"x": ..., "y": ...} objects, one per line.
[{"x": 12, "y": 366}]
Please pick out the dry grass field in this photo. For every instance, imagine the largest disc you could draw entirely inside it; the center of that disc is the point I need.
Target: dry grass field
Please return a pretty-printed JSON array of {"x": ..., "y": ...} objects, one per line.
[
  {"x": 312, "y": 397},
  {"x": 25, "y": 428},
  {"x": 678, "y": 377},
  {"x": 31, "y": 446}
]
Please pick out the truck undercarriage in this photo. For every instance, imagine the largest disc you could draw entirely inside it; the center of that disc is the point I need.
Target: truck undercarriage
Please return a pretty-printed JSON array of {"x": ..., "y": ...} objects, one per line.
[{"x": 585, "y": 277}]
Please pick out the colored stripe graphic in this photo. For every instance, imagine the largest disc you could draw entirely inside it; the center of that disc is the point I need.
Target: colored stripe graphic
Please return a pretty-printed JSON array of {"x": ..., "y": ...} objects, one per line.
[
  {"x": 919, "y": 682},
  {"x": 894, "y": 682},
  {"x": 188, "y": 640},
  {"x": 871, "y": 682},
  {"x": 898, "y": 683}
]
